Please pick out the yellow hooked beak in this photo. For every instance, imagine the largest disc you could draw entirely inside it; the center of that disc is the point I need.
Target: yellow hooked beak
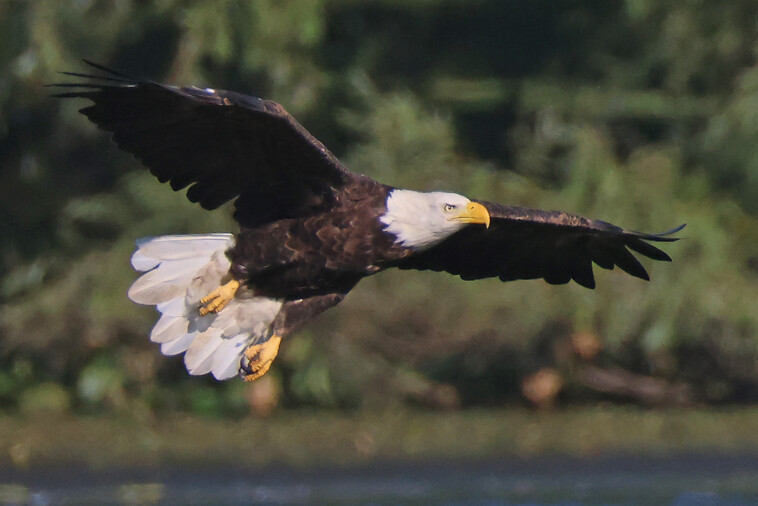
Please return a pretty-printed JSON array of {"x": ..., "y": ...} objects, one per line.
[{"x": 474, "y": 213}]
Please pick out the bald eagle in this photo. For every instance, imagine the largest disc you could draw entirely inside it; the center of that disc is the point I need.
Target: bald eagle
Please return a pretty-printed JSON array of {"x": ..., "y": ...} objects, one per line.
[{"x": 310, "y": 229}]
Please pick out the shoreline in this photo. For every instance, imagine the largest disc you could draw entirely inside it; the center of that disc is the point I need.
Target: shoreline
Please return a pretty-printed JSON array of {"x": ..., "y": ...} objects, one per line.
[{"x": 304, "y": 440}]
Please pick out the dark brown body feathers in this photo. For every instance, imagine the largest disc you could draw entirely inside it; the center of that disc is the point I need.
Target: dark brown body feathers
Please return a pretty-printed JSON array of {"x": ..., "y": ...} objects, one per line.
[{"x": 322, "y": 253}]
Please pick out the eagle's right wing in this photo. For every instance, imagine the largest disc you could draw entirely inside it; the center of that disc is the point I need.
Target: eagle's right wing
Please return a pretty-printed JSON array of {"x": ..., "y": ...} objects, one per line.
[{"x": 223, "y": 145}]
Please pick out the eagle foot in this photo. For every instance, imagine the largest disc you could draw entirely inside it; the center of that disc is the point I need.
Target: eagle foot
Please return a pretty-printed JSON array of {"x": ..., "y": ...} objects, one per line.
[
  {"x": 218, "y": 298},
  {"x": 257, "y": 359}
]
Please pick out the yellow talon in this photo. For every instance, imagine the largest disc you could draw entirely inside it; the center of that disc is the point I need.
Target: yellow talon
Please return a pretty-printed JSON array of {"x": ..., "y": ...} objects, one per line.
[
  {"x": 259, "y": 358},
  {"x": 218, "y": 298}
]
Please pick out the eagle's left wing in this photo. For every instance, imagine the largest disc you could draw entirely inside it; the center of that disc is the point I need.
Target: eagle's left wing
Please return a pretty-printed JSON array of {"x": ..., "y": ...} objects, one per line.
[{"x": 526, "y": 243}]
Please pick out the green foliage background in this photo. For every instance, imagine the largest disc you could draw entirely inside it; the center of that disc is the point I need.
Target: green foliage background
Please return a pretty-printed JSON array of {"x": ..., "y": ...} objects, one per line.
[{"x": 643, "y": 113}]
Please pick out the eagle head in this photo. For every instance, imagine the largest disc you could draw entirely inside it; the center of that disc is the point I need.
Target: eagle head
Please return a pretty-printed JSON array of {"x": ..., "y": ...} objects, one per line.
[{"x": 422, "y": 219}]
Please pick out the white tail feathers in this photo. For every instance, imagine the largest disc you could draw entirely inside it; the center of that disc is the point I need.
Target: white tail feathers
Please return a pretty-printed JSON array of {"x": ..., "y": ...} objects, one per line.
[{"x": 179, "y": 271}]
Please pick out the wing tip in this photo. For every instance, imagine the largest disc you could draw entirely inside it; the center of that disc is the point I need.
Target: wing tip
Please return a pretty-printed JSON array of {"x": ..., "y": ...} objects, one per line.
[
  {"x": 106, "y": 69},
  {"x": 117, "y": 79},
  {"x": 643, "y": 274},
  {"x": 588, "y": 283},
  {"x": 662, "y": 236}
]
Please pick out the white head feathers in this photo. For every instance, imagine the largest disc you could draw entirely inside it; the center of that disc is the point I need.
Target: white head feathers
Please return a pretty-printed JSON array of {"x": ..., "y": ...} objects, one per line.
[{"x": 420, "y": 220}]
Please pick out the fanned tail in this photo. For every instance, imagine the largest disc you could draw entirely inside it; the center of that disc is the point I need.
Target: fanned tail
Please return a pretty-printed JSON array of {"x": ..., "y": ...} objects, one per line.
[{"x": 178, "y": 271}]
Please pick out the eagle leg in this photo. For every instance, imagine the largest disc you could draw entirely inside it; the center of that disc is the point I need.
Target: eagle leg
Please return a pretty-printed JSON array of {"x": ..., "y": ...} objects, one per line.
[
  {"x": 257, "y": 358},
  {"x": 218, "y": 298}
]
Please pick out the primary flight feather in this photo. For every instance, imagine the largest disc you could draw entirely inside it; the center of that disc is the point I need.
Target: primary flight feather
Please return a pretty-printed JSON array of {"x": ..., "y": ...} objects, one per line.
[{"x": 309, "y": 228}]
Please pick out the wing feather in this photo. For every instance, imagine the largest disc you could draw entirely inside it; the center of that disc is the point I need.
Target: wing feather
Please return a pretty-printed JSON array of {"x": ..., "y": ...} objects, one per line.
[
  {"x": 221, "y": 144},
  {"x": 524, "y": 243},
  {"x": 650, "y": 251}
]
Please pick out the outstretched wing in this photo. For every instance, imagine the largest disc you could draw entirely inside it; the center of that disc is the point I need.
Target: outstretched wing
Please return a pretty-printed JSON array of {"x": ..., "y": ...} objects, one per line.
[
  {"x": 525, "y": 243},
  {"x": 224, "y": 144}
]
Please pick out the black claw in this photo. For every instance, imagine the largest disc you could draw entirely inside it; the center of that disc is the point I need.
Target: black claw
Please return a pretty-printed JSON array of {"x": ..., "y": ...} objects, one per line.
[{"x": 245, "y": 369}]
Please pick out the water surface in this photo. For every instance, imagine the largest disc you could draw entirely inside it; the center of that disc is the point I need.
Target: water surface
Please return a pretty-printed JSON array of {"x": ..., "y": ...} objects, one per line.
[{"x": 699, "y": 480}]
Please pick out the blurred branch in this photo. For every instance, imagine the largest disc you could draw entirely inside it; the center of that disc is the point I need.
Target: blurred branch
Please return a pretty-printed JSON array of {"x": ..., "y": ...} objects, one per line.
[{"x": 644, "y": 389}]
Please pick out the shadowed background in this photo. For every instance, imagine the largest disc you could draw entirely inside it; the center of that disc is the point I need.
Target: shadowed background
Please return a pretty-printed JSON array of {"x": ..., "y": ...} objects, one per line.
[{"x": 641, "y": 113}]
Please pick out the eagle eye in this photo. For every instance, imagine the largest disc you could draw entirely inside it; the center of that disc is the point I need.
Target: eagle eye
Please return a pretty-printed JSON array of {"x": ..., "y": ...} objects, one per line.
[{"x": 448, "y": 207}]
